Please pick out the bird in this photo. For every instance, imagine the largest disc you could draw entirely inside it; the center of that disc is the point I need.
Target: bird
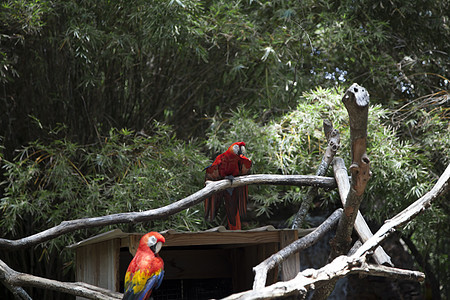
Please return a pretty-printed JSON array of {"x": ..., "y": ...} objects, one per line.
[
  {"x": 146, "y": 270},
  {"x": 230, "y": 164}
]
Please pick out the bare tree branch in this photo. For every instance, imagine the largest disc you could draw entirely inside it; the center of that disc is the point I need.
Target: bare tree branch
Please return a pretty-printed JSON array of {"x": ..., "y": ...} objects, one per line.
[
  {"x": 264, "y": 267},
  {"x": 333, "y": 139},
  {"x": 440, "y": 188},
  {"x": 133, "y": 217},
  {"x": 14, "y": 279},
  {"x": 344, "y": 265},
  {"x": 356, "y": 100},
  {"x": 311, "y": 279},
  {"x": 361, "y": 227}
]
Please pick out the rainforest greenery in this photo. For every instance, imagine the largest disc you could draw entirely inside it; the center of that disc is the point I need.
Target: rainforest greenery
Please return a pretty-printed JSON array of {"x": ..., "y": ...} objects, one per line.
[{"x": 116, "y": 106}]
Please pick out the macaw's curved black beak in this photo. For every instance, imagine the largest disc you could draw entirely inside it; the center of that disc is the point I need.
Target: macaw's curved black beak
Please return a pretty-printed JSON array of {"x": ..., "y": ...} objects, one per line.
[{"x": 156, "y": 247}]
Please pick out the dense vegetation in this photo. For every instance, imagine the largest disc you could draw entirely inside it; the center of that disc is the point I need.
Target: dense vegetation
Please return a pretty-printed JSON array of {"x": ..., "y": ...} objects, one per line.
[{"x": 111, "y": 106}]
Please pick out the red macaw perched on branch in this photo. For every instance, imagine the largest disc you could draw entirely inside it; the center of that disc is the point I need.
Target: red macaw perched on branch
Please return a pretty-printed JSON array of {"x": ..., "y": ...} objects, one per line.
[
  {"x": 229, "y": 164},
  {"x": 146, "y": 270}
]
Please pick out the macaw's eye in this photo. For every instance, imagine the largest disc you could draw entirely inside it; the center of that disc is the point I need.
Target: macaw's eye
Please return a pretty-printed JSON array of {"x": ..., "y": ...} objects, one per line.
[
  {"x": 236, "y": 149},
  {"x": 243, "y": 149},
  {"x": 151, "y": 241}
]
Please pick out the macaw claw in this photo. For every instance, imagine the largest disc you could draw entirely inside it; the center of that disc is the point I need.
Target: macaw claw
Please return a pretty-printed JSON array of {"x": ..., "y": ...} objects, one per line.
[{"x": 230, "y": 178}]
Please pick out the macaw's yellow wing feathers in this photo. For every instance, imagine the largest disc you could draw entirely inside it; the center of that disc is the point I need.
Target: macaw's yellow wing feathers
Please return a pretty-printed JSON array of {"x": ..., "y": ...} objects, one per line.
[{"x": 146, "y": 270}]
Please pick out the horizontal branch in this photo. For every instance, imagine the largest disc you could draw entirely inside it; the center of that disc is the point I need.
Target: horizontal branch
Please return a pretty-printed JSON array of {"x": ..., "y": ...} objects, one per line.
[
  {"x": 17, "y": 279},
  {"x": 165, "y": 211},
  {"x": 395, "y": 273}
]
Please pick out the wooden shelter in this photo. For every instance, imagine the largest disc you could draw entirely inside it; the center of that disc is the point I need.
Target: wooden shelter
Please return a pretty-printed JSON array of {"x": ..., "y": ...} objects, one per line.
[{"x": 198, "y": 265}]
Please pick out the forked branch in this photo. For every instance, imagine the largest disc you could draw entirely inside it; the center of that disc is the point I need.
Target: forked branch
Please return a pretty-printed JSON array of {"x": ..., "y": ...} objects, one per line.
[{"x": 356, "y": 263}]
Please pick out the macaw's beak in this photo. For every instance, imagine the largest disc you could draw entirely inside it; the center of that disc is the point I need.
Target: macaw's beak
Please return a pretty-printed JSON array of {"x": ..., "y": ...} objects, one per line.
[{"x": 155, "y": 248}]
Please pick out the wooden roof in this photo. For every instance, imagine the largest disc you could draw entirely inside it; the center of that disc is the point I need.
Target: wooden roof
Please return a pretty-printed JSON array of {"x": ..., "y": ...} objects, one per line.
[{"x": 214, "y": 236}]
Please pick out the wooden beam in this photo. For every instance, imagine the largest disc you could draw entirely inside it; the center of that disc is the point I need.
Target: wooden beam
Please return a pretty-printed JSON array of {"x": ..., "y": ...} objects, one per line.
[{"x": 291, "y": 266}]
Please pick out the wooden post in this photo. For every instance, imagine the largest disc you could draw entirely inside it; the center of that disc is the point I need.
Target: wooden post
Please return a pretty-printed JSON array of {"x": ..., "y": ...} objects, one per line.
[{"x": 291, "y": 266}]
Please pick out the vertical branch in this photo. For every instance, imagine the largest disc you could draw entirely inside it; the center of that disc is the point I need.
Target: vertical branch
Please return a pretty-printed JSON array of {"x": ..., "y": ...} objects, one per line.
[
  {"x": 333, "y": 139},
  {"x": 356, "y": 101},
  {"x": 361, "y": 227}
]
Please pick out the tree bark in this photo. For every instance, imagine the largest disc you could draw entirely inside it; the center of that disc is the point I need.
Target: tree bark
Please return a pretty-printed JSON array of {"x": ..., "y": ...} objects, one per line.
[
  {"x": 264, "y": 267},
  {"x": 14, "y": 279},
  {"x": 356, "y": 101},
  {"x": 361, "y": 227}
]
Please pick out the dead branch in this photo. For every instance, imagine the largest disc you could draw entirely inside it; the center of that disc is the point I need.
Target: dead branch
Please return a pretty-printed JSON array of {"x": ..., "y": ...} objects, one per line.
[
  {"x": 14, "y": 279},
  {"x": 152, "y": 214},
  {"x": 311, "y": 279},
  {"x": 344, "y": 265},
  {"x": 356, "y": 101},
  {"x": 440, "y": 188},
  {"x": 361, "y": 227},
  {"x": 394, "y": 273},
  {"x": 334, "y": 143},
  {"x": 333, "y": 139},
  {"x": 264, "y": 267}
]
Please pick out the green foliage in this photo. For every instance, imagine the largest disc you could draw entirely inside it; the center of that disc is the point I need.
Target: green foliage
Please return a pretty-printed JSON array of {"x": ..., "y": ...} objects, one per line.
[
  {"x": 18, "y": 19},
  {"x": 125, "y": 63},
  {"x": 49, "y": 183},
  {"x": 294, "y": 144}
]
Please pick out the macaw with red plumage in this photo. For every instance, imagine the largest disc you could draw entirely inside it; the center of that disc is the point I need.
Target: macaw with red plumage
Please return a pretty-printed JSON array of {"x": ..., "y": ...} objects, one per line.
[
  {"x": 230, "y": 164},
  {"x": 146, "y": 270}
]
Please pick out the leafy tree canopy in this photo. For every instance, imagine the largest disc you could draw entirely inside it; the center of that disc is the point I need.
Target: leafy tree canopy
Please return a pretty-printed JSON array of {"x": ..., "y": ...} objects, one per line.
[{"x": 93, "y": 65}]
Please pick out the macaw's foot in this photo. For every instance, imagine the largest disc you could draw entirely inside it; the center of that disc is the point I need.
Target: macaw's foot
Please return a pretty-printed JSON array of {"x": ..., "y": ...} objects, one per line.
[{"x": 230, "y": 178}]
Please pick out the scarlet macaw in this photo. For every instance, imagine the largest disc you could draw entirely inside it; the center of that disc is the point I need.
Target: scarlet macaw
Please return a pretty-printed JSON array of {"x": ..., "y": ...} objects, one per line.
[
  {"x": 229, "y": 164},
  {"x": 146, "y": 270}
]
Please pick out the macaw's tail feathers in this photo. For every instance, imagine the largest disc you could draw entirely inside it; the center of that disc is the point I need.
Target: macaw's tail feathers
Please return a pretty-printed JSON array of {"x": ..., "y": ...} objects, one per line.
[
  {"x": 237, "y": 225},
  {"x": 212, "y": 205},
  {"x": 243, "y": 197},
  {"x": 236, "y": 206}
]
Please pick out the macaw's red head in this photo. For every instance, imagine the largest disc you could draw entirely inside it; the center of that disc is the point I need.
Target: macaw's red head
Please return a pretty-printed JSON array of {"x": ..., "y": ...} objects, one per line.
[
  {"x": 152, "y": 240},
  {"x": 237, "y": 148}
]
